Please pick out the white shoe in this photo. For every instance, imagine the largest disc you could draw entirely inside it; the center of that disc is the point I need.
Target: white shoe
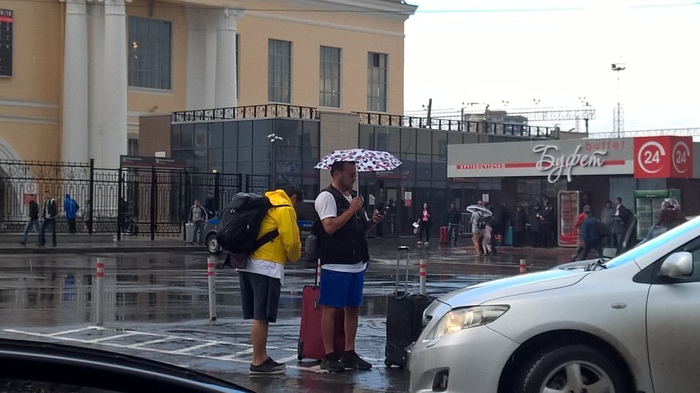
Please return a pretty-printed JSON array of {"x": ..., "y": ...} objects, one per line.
[
  {"x": 419, "y": 242},
  {"x": 426, "y": 243}
]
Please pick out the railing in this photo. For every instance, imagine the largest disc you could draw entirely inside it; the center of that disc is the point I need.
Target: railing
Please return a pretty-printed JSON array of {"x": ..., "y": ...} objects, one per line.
[
  {"x": 481, "y": 127},
  {"x": 245, "y": 112}
]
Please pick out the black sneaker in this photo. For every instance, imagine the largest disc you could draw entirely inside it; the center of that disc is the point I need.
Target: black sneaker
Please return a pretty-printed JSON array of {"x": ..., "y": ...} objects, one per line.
[
  {"x": 332, "y": 363},
  {"x": 353, "y": 361},
  {"x": 268, "y": 367}
]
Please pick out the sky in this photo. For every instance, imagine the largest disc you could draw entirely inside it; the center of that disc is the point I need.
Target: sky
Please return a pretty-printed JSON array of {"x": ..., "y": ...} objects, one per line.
[{"x": 558, "y": 52}]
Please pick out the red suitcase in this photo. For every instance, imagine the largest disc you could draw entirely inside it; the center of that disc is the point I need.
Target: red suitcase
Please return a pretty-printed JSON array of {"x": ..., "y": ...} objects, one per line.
[{"x": 310, "y": 344}]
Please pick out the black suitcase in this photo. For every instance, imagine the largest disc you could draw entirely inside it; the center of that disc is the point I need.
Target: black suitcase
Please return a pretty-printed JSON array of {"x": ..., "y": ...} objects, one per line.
[{"x": 404, "y": 317}]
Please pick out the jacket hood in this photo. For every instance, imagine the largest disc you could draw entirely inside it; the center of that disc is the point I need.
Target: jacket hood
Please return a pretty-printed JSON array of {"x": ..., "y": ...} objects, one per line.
[{"x": 279, "y": 197}]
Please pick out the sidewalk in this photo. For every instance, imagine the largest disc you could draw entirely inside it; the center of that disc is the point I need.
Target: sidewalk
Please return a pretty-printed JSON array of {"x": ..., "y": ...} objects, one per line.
[{"x": 386, "y": 247}]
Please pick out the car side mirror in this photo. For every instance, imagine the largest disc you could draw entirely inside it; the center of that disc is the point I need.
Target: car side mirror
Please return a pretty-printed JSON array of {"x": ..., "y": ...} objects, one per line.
[{"x": 677, "y": 265}]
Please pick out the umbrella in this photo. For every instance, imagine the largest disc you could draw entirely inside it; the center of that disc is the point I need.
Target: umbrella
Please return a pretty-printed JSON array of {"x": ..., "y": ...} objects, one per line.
[
  {"x": 482, "y": 210},
  {"x": 365, "y": 160}
]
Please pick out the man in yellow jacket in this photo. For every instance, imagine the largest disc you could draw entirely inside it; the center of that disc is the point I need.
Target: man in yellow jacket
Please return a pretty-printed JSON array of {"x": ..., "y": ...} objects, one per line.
[{"x": 261, "y": 280}]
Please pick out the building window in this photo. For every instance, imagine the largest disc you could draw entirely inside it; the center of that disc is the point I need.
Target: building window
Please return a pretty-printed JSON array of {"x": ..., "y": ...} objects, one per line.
[
  {"x": 376, "y": 82},
  {"x": 5, "y": 43},
  {"x": 329, "y": 94},
  {"x": 150, "y": 44},
  {"x": 279, "y": 71},
  {"x": 132, "y": 147}
]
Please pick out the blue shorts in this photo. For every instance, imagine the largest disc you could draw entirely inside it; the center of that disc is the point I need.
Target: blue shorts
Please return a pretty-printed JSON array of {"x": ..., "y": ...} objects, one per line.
[{"x": 339, "y": 289}]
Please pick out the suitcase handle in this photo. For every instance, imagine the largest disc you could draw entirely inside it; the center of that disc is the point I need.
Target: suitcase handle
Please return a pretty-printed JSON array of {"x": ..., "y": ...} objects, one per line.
[{"x": 398, "y": 262}]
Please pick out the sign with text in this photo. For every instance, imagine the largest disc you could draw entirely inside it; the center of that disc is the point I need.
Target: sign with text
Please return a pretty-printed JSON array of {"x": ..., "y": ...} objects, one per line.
[{"x": 663, "y": 157}]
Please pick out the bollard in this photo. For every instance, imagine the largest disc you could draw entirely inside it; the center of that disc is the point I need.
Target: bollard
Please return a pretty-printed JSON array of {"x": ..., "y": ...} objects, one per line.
[
  {"x": 211, "y": 275},
  {"x": 523, "y": 266},
  {"x": 99, "y": 318},
  {"x": 422, "y": 273}
]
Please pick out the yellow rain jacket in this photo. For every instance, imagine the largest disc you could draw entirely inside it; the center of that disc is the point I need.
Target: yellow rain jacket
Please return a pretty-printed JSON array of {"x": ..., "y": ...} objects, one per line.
[{"x": 286, "y": 246}]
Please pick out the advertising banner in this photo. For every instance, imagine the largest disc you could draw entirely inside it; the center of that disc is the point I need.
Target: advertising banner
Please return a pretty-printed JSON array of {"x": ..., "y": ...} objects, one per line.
[{"x": 663, "y": 157}]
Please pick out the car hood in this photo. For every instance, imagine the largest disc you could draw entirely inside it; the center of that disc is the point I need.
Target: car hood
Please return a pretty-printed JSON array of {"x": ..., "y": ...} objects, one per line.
[{"x": 512, "y": 286}]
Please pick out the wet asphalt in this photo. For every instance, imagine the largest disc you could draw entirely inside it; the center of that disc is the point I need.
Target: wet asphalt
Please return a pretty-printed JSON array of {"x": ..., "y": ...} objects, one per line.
[{"x": 156, "y": 304}]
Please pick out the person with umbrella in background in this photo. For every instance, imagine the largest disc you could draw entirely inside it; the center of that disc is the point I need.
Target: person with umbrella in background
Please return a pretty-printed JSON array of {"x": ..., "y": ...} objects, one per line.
[
  {"x": 343, "y": 249},
  {"x": 479, "y": 212}
]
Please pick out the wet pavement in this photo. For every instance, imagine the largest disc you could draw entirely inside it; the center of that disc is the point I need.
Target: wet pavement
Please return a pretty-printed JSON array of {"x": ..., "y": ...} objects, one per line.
[{"x": 156, "y": 305}]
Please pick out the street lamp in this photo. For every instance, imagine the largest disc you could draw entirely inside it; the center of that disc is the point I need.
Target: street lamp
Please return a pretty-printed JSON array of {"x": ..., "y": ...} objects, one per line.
[
  {"x": 461, "y": 113},
  {"x": 618, "y": 117},
  {"x": 274, "y": 138}
]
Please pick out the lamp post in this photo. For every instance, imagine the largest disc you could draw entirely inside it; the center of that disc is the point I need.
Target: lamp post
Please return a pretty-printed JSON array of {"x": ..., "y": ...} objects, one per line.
[
  {"x": 461, "y": 113},
  {"x": 618, "y": 117},
  {"x": 274, "y": 138}
]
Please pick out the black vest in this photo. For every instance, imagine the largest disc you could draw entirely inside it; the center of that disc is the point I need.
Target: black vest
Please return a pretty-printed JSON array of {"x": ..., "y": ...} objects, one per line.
[{"x": 348, "y": 245}]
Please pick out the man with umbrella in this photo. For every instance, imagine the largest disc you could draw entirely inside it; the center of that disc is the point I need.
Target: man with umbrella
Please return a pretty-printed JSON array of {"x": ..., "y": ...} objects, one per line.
[
  {"x": 478, "y": 212},
  {"x": 344, "y": 256}
]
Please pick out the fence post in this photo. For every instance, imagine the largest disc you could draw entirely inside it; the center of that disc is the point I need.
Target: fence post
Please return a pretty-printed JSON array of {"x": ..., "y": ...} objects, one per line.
[
  {"x": 99, "y": 317},
  {"x": 120, "y": 198},
  {"x": 211, "y": 276},
  {"x": 422, "y": 273},
  {"x": 154, "y": 201},
  {"x": 91, "y": 195},
  {"x": 523, "y": 266}
]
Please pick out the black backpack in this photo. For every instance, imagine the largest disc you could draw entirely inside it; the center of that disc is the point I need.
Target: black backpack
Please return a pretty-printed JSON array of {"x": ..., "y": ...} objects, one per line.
[
  {"x": 240, "y": 225},
  {"x": 482, "y": 221}
]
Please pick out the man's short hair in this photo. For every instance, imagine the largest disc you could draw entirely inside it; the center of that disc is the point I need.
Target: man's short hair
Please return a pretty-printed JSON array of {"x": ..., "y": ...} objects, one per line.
[
  {"x": 293, "y": 189},
  {"x": 339, "y": 166}
]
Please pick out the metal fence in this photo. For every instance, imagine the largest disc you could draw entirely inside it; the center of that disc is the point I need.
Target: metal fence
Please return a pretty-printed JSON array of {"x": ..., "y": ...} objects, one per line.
[{"x": 126, "y": 201}]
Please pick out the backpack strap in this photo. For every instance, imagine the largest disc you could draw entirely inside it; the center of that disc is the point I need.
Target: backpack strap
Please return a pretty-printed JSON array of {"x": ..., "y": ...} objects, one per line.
[{"x": 268, "y": 237}]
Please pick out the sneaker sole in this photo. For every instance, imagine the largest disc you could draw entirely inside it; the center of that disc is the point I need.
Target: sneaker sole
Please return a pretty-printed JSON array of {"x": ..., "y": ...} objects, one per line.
[{"x": 273, "y": 372}]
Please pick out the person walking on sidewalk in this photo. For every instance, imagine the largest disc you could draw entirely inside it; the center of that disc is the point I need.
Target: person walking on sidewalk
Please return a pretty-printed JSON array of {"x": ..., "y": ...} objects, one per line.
[
  {"x": 33, "y": 221},
  {"x": 519, "y": 226},
  {"x": 49, "y": 215},
  {"x": 476, "y": 231},
  {"x": 590, "y": 236},
  {"x": 70, "y": 207},
  {"x": 424, "y": 222},
  {"x": 453, "y": 218},
  {"x": 261, "y": 280},
  {"x": 198, "y": 215},
  {"x": 344, "y": 257}
]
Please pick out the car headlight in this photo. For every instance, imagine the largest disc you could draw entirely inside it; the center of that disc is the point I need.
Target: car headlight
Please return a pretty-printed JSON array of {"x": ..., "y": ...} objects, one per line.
[{"x": 464, "y": 318}]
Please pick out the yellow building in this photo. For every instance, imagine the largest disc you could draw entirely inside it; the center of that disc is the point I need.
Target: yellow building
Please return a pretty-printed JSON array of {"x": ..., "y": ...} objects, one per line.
[{"x": 76, "y": 75}]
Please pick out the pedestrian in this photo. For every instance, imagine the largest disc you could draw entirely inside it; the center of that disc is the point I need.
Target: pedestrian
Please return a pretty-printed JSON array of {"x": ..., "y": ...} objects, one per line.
[
  {"x": 606, "y": 217},
  {"x": 198, "y": 215},
  {"x": 49, "y": 214},
  {"x": 486, "y": 239},
  {"x": 262, "y": 279},
  {"x": 344, "y": 257},
  {"x": 70, "y": 207},
  {"x": 670, "y": 216},
  {"x": 209, "y": 205},
  {"x": 499, "y": 223},
  {"x": 476, "y": 231},
  {"x": 590, "y": 235},
  {"x": 585, "y": 213},
  {"x": 621, "y": 218},
  {"x": 453, "y": 218},
  {"x": 536, "y": 227},
  {"x": 549, "y": 223},
  {"x": 87, "y": 215},
  {"x": 519, "y": 226},
  {"x": 33, "y": 221},
  {"x": 424, "y": 222}
]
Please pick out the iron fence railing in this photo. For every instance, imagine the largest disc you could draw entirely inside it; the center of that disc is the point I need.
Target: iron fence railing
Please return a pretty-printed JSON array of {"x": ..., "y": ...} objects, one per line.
[{"x": 245, "y": 112}]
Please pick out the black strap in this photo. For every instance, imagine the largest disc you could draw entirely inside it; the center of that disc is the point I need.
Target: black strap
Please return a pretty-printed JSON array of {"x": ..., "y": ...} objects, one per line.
[{"x": 266, "y": 238}]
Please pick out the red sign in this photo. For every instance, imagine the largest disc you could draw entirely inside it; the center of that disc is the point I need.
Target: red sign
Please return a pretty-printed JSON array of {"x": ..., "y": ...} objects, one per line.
[{"x": 663, "y": 157}]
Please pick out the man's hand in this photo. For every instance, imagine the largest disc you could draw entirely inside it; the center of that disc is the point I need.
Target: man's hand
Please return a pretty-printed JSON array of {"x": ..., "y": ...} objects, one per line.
[
  {"x": 355, "y": 205},
  {"x": 377, "y": 217}
]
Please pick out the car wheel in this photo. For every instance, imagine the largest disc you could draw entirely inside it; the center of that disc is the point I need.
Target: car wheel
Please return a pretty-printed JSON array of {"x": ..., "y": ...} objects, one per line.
[
  {"x": 571, "y": 368},
  {"x": 213, "y": 244}
]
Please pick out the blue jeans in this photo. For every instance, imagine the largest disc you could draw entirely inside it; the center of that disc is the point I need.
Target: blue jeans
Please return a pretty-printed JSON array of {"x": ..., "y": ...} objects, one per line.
[
  {"x": 42, "y": 232},
  {"x": 452, "y": 233},
  {"x": 30, "y": 223}
]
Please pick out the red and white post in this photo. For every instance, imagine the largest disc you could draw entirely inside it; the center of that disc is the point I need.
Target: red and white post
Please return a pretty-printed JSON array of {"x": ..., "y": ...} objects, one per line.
[
  {"x": 523, "y": 266},
  {"x": 211, "y": 276},
  {"x": 423, "y": 275},
  {"x": 99, "y": 288}
]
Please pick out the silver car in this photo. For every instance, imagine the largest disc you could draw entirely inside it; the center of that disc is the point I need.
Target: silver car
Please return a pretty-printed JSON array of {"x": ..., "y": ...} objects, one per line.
[{"x": 630, "y": 324}]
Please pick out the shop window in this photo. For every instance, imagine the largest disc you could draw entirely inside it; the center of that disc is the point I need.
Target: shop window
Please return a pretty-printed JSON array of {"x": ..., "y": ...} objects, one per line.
[
  {"x": 215, "y": 135},
  {"x": 408, "y": 140},
  {"x": 367, "y": 137},
  {"x": 231, "y": 133},
  {"x": 424, "y": 141},
  {"x": 200, "y": 135}
]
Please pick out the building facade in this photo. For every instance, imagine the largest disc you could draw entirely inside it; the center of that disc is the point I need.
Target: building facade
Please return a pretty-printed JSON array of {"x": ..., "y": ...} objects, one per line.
[{"x": 81, "y": 73}]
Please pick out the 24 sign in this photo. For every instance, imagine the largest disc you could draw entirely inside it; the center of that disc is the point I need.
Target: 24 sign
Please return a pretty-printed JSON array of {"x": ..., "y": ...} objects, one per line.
[{"x": 663, "y": 157}]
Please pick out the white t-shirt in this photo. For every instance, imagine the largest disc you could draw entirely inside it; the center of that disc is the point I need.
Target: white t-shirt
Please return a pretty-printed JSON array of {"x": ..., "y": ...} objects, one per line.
[
  {"x": 265, "y": 268},
  {"x": 326, "y": 207}
]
